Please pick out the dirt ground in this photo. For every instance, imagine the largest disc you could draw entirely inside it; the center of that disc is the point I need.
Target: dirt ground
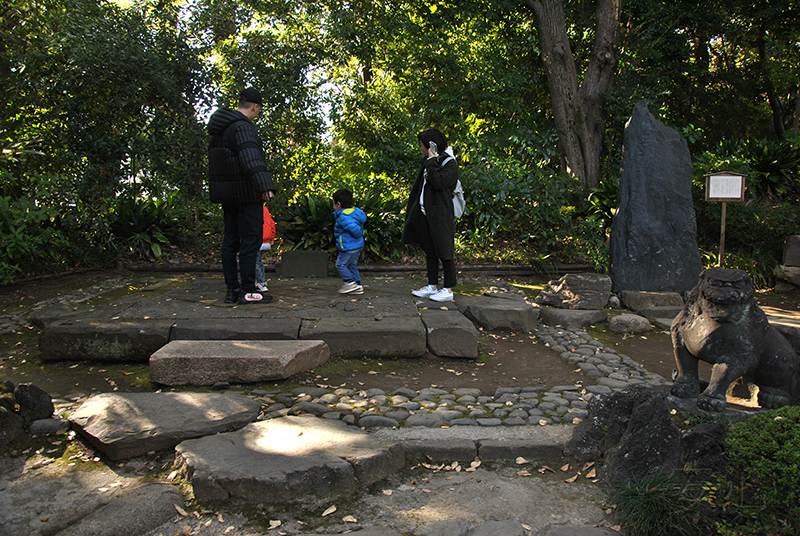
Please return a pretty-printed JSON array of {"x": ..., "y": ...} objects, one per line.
[{"x": 506, "y": 360}]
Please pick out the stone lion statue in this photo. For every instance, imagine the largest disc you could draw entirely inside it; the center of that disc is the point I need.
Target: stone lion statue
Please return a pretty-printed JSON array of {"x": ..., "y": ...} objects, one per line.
[{"x": 722, "y": 325}]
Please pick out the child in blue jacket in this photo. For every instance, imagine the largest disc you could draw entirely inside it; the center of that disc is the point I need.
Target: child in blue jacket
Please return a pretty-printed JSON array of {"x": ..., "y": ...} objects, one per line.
[{"x": 349, "y": 233}]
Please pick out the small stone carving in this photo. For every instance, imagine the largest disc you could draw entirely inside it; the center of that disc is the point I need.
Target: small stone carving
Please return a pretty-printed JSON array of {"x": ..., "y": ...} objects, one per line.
[{"x": 722, "y": 325}]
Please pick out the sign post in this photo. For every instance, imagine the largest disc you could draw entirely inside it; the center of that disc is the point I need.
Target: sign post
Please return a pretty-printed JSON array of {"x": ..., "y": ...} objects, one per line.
[{"x": 724, "y": 187}]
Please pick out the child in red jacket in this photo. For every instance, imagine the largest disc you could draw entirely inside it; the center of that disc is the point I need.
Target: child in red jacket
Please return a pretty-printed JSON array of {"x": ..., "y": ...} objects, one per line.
[{"x": 266, "y": 243}]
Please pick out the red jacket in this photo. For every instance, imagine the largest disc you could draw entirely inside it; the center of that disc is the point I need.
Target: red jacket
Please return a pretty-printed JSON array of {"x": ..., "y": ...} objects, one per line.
[{"x": 269, "y": 228}]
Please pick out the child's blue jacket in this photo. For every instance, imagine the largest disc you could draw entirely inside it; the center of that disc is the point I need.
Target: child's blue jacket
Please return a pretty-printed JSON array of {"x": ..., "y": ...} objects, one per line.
[{"x": 349, "y": 228}]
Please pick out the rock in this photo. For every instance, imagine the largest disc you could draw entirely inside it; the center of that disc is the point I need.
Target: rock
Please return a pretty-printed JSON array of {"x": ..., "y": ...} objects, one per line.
[
  {"x": 137, "y": 512},
  {"x": 791, "y": 251},
  {"x": 89, "y": 340},
  {"x": 189, "y": 362},
  {"x": 636, "y": 300},
  {"x": 377, "y": 421},
  {"x": 287, "y": 460},
  {"x": 571, "y": 318},
  {"x": 577, "y": 291},
  {"x": 123, "y": 425},
  {"x": 34, "y": 403},
  {"x": 493, "y": 313},
  {"x": 654, "y": 233},
  {"x": 450, "y": 334},
  {"x": 48, "y": 427},
  {"x": 627, "y": 323},
  {"x": 358, "y": 337},
  {"x": 10, "y": 428}
]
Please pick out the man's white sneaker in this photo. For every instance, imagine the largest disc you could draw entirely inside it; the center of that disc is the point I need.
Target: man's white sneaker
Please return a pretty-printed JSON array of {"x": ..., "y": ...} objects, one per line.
[
  {"x": 348, "y": 287},
  {"x": 425, "y": 292},
  {"x": 442, "y": 295}
]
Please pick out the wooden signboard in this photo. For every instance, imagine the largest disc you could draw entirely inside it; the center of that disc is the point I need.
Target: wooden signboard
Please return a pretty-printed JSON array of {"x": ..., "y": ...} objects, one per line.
[{"x": 724, "y": 187}]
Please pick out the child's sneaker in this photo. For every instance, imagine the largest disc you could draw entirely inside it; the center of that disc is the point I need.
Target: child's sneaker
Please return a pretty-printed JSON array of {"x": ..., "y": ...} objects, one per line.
[
  {"x": 425, "y": 292},
  {"x": 358, "y": 290},
  {"x": 349, "y": 287},
  {"x": 261, "y": 287},
  {"x": 442, "y": 295},
  {"x": 255, "y": 297}
]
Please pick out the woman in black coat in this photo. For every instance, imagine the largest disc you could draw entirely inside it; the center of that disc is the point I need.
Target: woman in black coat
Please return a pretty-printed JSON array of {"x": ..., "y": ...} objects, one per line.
[{"x": 429, "y": 214}]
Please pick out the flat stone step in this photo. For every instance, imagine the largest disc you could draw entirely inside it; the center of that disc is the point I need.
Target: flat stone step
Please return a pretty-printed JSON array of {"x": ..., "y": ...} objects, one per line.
[
  {"x": 124, "y": 425},
  {"x": 234, "y": 361},
  {"x": 287, "y": 460},
  {"x": 209, "y": 329},
  {"x": 371, "y": 337},
  {"x": 499, "y": 312},
  {"x": 90, "y": 340},
  {"x": 450, "y": 334}
]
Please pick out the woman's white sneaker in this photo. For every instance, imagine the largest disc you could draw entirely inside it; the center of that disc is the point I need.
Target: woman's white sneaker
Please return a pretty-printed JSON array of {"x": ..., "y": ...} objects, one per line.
[
  {"x": 425, "y": 292},
  {"x": 442, "y": 295}
]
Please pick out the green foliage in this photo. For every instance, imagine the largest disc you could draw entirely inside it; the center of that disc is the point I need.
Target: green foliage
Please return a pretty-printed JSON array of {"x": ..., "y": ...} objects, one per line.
[
  {"x": 651, "y": 505},
  {"x": 28, "y": 234},
  {"x": 762, "y": 482},
  {"x": 143, "y": 226},
  {"x": 309, "y": 223}
]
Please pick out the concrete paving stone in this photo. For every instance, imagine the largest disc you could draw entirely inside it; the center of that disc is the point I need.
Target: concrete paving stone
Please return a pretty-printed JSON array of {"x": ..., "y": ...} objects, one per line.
[
  {"x": 515, "y": 421},
  {"x": 495, "y": 449},
  {"x": 450, "y": 334},
  {"x": 288, "y": 460},
  {"x": 123, "y": 425},
  {"x": 463, "y": 422},
  {"x": 489, "y": 422},
  {"x": 207, "y": 329},
  {"x": 446, "y": 528},
  {"x": 440, "y": 450},
  {"x": 108, "y": 341},
  {"x": 207, "y": 362},
  {"x": 356, "y": 338},
  {"x": 136, "y": 512}
]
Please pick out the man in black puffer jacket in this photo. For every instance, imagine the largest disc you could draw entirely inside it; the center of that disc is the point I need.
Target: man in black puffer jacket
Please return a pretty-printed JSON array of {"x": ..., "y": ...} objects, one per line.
[{"x": 238, "y": 178}]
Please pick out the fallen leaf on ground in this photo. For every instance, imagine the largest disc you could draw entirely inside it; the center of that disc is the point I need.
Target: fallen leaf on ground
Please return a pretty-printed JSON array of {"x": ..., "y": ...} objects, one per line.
[
  {"x": 172, "y": 475},
  {"x": 565, "y": 468},
  {"x": 592, "y": 474},
  {"x": 387, "y": 492},
  {"x": 523, "y": 473},
  {"x": 587, "y": 465},
  {"x": 521, "y": 461},
  {"x": 229, "y": 530},
  {"x": 544, "y": 469},
  {"x": 526, "y": 527},
  {"x": 274, "y": 524},
  {"x": 349, "y": 519},
  {"x": 571, "y": 480},
  {"x": 329, "y": 511},
  {"x": 180, "y": 510}
]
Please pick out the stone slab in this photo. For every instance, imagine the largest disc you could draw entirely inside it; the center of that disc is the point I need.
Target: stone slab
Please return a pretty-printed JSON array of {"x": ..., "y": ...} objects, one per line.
[
  {"x": 138, "y": 512},
  {"x": 636, "y": 300},
  {"x": 234, "y": 361},
  {"x": 571, "y": 318},
  {"x": 354, "y": 338},
  {"x": 236, "y": 329},
  {"x": 299, "y": 263},
  {"x": 499, "y": 314},
  {"x": 450, "y": 334},
  {"x": 121, "y": 341},
  {"x": 496, "y": 449},
  {"x": 287, "y": 460},
  {"x": 440, "y": 450},
  {"x": 124, "y": 425},
  {"x": 666, "y": 311}
]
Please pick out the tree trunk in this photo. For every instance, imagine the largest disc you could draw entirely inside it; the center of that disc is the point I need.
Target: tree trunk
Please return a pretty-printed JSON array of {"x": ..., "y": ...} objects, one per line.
[{"x": 578, "y": 107}]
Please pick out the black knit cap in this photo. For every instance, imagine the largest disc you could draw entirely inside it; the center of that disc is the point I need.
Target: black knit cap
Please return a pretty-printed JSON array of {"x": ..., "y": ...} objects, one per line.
[{"x": 251, "y": 94}]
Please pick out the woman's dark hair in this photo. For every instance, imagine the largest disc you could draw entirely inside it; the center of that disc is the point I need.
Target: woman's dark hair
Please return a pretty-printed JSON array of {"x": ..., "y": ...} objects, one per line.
[
  {"x": 344, "y": 197},
  {"x": 432, "y": 135}
]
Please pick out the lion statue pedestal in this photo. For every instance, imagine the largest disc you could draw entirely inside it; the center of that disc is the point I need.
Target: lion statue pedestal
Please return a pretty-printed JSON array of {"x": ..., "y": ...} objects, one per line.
[{"x": 721, "y": 324}]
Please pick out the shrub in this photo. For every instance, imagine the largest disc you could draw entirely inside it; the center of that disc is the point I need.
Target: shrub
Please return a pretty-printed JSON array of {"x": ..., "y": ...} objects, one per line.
[
  {"x": 762, "y": 482},
  {"x": 27, "y": 233},
  {"x": 143, "y": 226}
]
